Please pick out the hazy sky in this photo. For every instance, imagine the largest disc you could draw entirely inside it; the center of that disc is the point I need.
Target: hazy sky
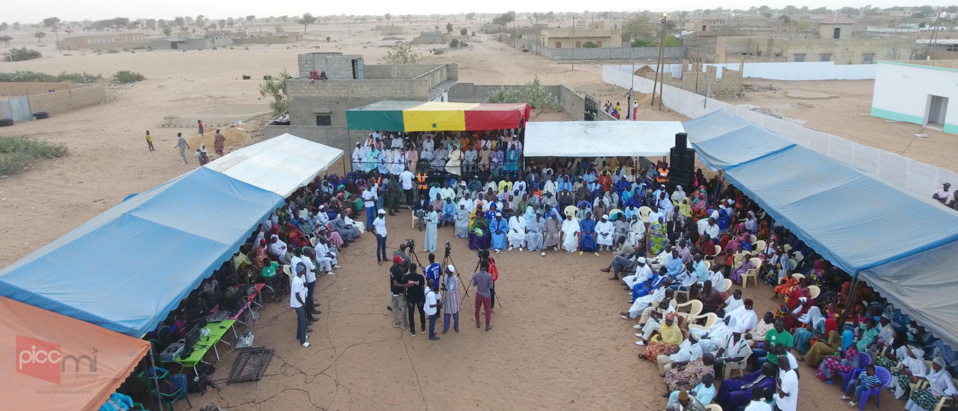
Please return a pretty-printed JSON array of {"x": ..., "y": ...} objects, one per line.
[{"x": 33, "y": 11}]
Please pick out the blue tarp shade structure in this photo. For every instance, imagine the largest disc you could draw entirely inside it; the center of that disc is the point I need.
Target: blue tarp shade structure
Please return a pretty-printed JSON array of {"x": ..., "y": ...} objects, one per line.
[
  {"x": 722, "y": 140},
  {"x": 904, "y": 247},
  {"x": 127, "y": 268}
]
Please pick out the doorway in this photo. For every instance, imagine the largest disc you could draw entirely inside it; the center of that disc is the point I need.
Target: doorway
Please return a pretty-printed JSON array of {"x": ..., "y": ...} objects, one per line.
[{"x": 937, "y": 107}]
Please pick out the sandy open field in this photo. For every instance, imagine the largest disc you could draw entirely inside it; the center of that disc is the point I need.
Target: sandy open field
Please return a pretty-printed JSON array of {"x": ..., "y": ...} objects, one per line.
[{"x": 558, "y": 341}]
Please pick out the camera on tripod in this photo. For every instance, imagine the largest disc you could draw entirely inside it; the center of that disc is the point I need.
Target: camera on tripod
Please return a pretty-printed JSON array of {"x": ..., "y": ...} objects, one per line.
[
  {"x": 410, "y": 244},
  {"x": 448, "y": 249}
]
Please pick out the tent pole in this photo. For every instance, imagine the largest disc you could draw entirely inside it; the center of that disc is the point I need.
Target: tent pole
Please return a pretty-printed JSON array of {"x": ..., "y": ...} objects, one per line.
[
  {"x": 156, "y": 383},
  {"x": 848, "y": 305}
]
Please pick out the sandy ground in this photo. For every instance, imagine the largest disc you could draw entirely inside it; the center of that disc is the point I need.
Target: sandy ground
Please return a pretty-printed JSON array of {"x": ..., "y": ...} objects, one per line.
[
  {"x": 558, "y": 341},
  {"x": 846, "y": 114}
]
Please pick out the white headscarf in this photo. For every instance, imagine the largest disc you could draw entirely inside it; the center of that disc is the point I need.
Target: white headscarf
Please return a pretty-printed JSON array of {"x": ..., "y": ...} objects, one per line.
[
  {"x": 813, "y": 317},
  {"x": 678, "y": 195}
]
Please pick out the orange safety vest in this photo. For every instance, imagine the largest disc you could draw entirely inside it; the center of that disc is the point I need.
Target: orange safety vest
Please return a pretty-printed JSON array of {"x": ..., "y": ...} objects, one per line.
[
  {"x": 421, "y": 178},
  {"x": 663, "y": 176}
]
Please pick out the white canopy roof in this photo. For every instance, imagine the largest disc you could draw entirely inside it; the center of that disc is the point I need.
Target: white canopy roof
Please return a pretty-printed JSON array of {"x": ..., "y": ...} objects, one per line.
[
  {"x": 281, "y": 164},
  {"x": 600, "y": 138}
]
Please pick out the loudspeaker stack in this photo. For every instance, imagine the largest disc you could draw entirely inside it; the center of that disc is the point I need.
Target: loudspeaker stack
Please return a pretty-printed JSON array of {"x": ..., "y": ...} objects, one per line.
[{"x": 682, "y": 164}]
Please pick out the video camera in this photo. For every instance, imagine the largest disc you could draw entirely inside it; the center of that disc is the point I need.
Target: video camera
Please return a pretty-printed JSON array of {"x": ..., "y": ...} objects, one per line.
[
  {"x": 410, "y": 244},
  {"x": 448, "y": 249}
]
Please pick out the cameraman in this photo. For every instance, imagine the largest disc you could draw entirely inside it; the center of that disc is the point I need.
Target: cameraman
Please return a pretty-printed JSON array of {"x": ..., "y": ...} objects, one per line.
[
  {"x": 401, "y": 253},
  {"x": 415, "y": 297}
]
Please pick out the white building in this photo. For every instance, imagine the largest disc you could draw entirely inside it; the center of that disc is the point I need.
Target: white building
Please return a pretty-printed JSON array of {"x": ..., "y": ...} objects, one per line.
[{"x": 918, "y": 92}]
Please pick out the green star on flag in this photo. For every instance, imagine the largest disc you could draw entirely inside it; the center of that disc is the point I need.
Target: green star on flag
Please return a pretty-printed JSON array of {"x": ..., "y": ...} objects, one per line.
[{"x": 434, "y": 125}]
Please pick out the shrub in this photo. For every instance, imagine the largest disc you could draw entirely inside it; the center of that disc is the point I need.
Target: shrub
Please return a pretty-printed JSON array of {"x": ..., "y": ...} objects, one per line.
[
  {"x": 22, "y": 54},
  {"x": 533, "y": 93},
  {"x": 438, "y": 51},
  {"x": 454, "y": 43},
  {"x": 32, "y": 76},
  {"x": 126, "y": 76},
  {"x": 643, "y": 43},
  {"x": 17, "y": 152},
  {"x": 275, "y": 87},
  {"x": 590, "y": 45},
  {"x": 463, "y": 32},
  {"x": 112, "y": 51},
  {"x": 402, "y": 54}
]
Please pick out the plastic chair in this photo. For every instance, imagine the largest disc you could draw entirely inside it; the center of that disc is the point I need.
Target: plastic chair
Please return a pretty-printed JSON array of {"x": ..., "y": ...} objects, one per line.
[
  {"x": 814, "y": 291},
  {"x": 414, "y": 219},
  {"x": 682, "y": 290},
  {"x": 792, "y": 263},
  {"x": 945, "y": 399},
  {"x": 753, "y": 239},
  {"x": 885, "y": 377},
  {"x": 312, "y": 241},
  {"x": 718, "y": 249},
  {"x": 644, "y": 212},
  {"x": 728, "y": 285},
  {"x": 759, "y": 246},
  {"x": 864, "y": 360},
  {"x": 713, "y": 407},
  {"x": 710, "y": 320},
  {"x": 797, "y": 256},
  {"x": 708, "y": 265},
  {"x": 752, "y": 272},
  {"x": 739, "y": 366},
  {"x": 179, "y": 381},
  {"x": 569, "y": 211},
  {"x": 798, "y": 276},
  {"x": 695, "y": 308},
  {"x": 787, "y": 248}
]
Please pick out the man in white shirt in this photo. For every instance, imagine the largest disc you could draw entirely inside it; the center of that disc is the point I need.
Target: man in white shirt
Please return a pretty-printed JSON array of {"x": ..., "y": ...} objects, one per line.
[
  {"x": 369, "y": 201},
  {"x": 406, "y": 184},
  {"x": 710, "y": 229},
  {"x": 642, "y": 274},
  {"x": 745, "y": 317},
  {"x": 467, "y": 202},
  {"x": 379, "y": 228},
  {"x": 689, "y": 350},
  {"x": 786, "y": 395},
  {"x": 297, "y": 300},
  {"x": 604, "y": 233},
  {"x": 733, "y": 302},
  {"x": 431, "y": 307}
]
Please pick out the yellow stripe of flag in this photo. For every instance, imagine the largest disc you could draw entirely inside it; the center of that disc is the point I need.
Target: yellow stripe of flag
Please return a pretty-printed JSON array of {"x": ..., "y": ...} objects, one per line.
[{"x": 434, "y": 116}]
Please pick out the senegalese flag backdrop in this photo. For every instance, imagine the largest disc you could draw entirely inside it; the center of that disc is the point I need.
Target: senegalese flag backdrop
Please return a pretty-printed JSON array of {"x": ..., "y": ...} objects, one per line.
[{"x": 412, "y": 116}]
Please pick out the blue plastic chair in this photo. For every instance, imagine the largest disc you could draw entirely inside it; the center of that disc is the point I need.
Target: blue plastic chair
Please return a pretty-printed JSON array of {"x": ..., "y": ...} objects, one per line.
[
  {"x": 885, "y": 376},
  {"x": 864, "y": 360}
]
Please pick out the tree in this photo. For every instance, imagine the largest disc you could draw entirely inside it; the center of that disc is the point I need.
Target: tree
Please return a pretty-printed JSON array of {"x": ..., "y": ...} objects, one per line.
[
  {"x": 275, "y": 87},
  {"x": 21, "y": 54},
  {"x": 306, "y": 20},
  {"x": 167, "y": 31},
  {"x": 388, "y": 16},
  {"x": 16, "y": 26},
  {"x": 641, "y": 26},
  {"x": 200, "y": 20},
  {"x": 250, "y": 19},
  {"x": 470, "y": 16},
  {"x": 3, "y": 26},
  {"x": 151, "y": 24},
  {"x": 230, "y": 22},
  {"x": 785, "y": 19},
  {"x": 448, "y": 27},
  {"x": 463, "y": 31},
  {"x": 643, "y": 43},
  {"x": 533, "y": 93},
  {"x": 402, "y": 54},
  {"x": 590, "y": 45},
  {"x": 283, "y": 18},
  {"x": 454, "y": 43},
  {"x": 120, "y": 22},
  {"x": 328, "y": 38},
  {"x": 505, "y": 19},
  {"x": 180, "y": 22},
  {"x": 53, "y": 23},
  {"x": 39, "y": 35},
  {"x": 221, "y": 23},
  {"x": 6, "y": 40}
]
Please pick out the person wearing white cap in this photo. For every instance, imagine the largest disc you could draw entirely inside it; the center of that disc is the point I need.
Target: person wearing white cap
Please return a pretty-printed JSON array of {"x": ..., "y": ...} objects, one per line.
[
  {"x": 450, "y": 299},
  {"x": 498, "y": 227},
  {"x": 379, "y": 228},
  {"x": 642, "y": 274},
  {"x": 605, "y": 231},
  {"x": 517, "y": 232}
]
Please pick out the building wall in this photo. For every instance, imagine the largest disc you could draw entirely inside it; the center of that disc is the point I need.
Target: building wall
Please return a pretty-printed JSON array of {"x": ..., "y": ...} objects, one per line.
[
  {"x": 390, "y": 30},
  {"x": 845, "y": 51},
  {"x": 336, "y": 65},
  {"x": 285, "y": 38},
  {"x": 902, "y": 92},
  {"x": 336, "y": 96},
  {"x": 693, "y": 78},
  {"x": 827, "y": 31},
  {"x": 66, "y": 100},
  {"x": 103, "y": 41},
  {"x": 397, "y": 71},
  {"x": 26, "y": 89}
]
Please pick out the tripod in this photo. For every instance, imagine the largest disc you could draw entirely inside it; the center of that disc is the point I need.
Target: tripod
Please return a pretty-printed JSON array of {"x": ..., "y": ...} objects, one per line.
[{"x": 483, "y": 256}]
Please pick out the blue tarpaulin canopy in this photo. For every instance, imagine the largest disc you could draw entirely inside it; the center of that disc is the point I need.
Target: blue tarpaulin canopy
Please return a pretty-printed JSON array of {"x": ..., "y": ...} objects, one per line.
[
  {"x": 127, "y": 268},
  {"x": 906, "y": 248}
]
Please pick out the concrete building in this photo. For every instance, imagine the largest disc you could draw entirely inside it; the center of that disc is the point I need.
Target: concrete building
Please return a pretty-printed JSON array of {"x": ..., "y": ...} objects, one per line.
[
  {"x": 733, "y": 49},
  {"x": 569, "y": 38},
  {"x": 429, "y": 37},
  {"x": 706, "y": 27},
  {"x": 918, "y": 92},
  {"x": 103, "y": 41},
  {"x": 390, "y": 30},
  {"x": 353, "y": 84},
  {"x": 836, "y": 26},
  {"x": 191, "y": 42}
]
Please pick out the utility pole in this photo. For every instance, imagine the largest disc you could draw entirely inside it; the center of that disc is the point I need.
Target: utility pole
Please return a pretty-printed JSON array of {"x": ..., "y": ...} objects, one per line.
[
  {"x": 573, "y": 42},
  {"x": 659, "y": 66}
]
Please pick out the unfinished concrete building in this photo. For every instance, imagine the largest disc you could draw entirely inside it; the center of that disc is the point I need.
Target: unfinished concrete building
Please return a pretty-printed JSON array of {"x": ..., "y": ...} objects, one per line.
[
  {"x": 713, "y": 82},
  {"x": 353, "y": 84}
]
